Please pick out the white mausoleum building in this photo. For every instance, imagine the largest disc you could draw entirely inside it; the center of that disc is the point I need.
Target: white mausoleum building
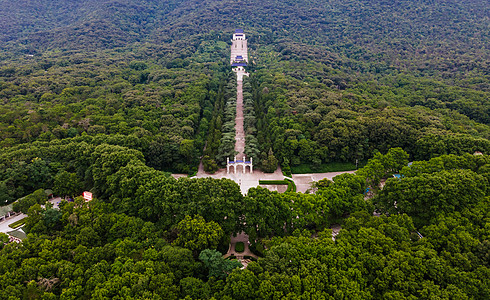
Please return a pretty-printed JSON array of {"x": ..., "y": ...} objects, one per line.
[{"x": 239, "y": 52}]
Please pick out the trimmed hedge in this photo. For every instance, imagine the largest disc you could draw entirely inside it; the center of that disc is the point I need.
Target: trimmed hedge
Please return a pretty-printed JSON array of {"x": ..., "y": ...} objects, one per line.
[
  {"x": 291, "y": 185},
  {"x": 18, "y": 223},
  {"x": 273, "y": 182},
  {"x": 239, "y": 247}
]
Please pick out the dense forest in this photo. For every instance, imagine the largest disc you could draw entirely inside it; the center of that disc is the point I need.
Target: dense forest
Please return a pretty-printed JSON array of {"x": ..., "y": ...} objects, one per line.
[
  {"x": 151, "y": 236},
  {"x": 112, "y": 96}
]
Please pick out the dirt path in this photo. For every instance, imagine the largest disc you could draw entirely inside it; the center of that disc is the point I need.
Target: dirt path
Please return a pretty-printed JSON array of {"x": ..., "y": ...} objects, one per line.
[{"x": 239, "y": 131}]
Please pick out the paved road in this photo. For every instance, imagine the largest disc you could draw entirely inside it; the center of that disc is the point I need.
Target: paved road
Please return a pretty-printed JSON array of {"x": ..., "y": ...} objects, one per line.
[{"x": 4, "y": 226}]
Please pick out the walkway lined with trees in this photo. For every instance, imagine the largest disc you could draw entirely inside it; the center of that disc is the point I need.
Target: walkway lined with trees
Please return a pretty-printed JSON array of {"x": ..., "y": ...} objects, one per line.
[
  {"x": 240, "y": 133},
  {"x": 239, "y": 60}
]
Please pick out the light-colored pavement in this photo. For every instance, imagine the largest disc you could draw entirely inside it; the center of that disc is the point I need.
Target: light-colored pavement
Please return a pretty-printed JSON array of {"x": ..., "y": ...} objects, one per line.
[
  {"x": 275, "y": 187},
  {"x": 303, "y": 181},
  {"x": 247, "y": 180},
  {"x": 244, "y": 180},
  {"x": 241, "y": 237},
  {"x": 4, "y": 226},
  {"x": 336, "y": 228},
  {"x": 55, "y": 202}
]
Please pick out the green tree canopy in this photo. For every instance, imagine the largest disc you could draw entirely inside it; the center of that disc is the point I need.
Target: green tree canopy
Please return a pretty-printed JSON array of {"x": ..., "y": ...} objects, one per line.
[{"x": 195, "y": 234}]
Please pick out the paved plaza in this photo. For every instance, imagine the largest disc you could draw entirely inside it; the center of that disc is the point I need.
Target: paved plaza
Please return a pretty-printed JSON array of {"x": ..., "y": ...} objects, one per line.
[{"x": 303, "y": 181}]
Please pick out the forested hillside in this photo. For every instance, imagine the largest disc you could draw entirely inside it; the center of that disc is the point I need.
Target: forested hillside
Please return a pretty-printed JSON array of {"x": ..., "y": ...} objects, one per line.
[
  {"x": 425, "y": 36},
  {"x": 337, "y": 79},
  {"x": 112, "y": 95}
]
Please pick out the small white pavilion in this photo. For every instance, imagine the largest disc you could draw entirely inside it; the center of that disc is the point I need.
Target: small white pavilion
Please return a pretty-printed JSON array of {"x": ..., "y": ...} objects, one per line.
[{"x": 235, "y": 163}]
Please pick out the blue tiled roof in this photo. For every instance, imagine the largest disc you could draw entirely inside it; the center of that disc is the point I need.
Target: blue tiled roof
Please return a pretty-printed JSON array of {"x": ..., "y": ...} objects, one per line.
[
  {"x": 239, "y": 161},
  {"x": 239, "y": 65},
  {"x": 238, "y": 30},
  {"x": 247, "y": 162},
  {"x": 239, "y": 57}
]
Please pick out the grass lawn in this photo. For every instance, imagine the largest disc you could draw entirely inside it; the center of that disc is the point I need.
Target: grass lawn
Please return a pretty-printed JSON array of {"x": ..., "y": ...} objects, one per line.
[{"x": 324, "y": 168}]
